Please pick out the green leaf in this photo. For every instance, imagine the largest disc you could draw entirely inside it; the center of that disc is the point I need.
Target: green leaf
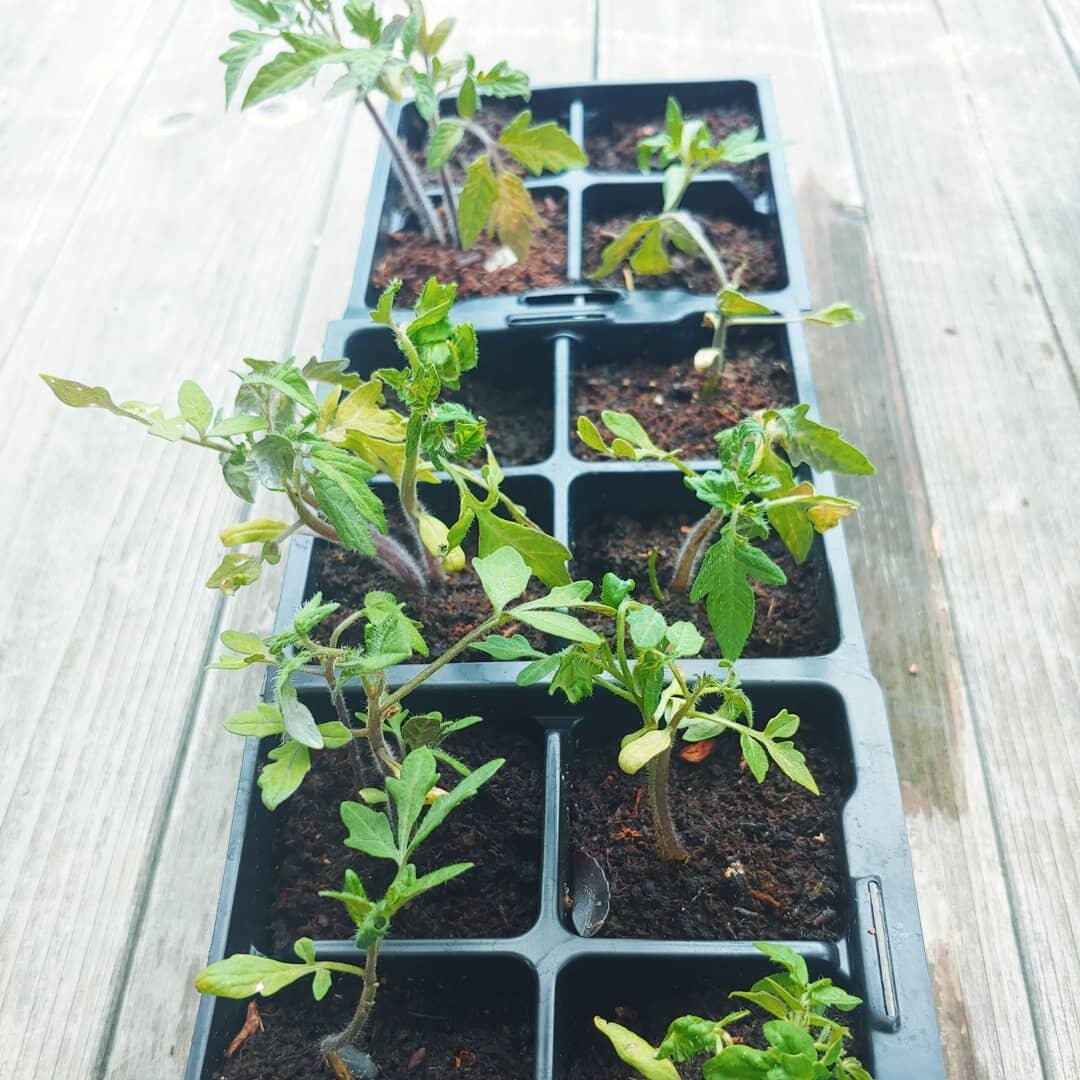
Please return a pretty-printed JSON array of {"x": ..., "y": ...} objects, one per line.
[
  {"x": 291, "y": 69},
  {"x": 788, "y": 1038},
  {"x": 839, "y": 314},
  {"x": 636, "y": 1052},
  {"x": 263, "y": 720},
  {"x": 444, "y": 805},
  {"x": 742, "y": 146},
  {"x": 445, "y": 140},
  {"x": 477, "y": 200},
  {"x": 590, "y": 435},
  {"x": 687, "y": 1037},
  {"x": 782, "y": 726},
  {"x": 511, "y": 648},
  {"x": 299, "y": 722},
  {"x": 236, "y": 425},
  {"x": 352, "y": 896},
  {"x": 559, "y": 624},
  {"x": 236, "y": 60},
  {"x": 417, "y": 885},
  {"x": 340, "y": 511},
  {"x": 504, "y": 575},
  {"x": 538, "y": 670},
  {"x": 335, "y": 734},
  {"x": 466, "y": 100},
  {"x": 614, "y": 590},
  {"x": 234, "y": 572},
  {"x": 80, "y": 396},
  {"x": 409, "y": 789},
  {"x": 285, "y": 379},
  {"x": 243, "y": 976},
  {"x": 737, "y": 1063},
  {"x": 647, "y": 627},
  {"x": 241, "y": 642},
  {"x": 283, "y": 774},
  {"x": 833, "y": 997},
  {"x": 792, "y": 763},
  {"x": 732, "y": 304},
  {"x": 427, "y": 103},
  {"x": 363, "y": 20},
  {"x": 545, "y": 146},
  {"x": 320, "y": 985},
  {"x": 369, "y": 832},
  {"x": 545, "y": 556},
  {"x": 612, "y": 256},
  {"x": 252, "y": 531},
  {"x": 684, "y": 639},
  {"x": 410, "y": 30},
  {"x": 756, "y": 759},
  {"x": 626, "y": 426},
  {"x": 650, "y": 256},
  {"x": 502, "y": 81},
  {"x": 821, "y": 447},
  {"x": 730, "y": 605},
  {"x": 787, "y": 958},
  {"x": 436, "y": 38},
  {"x": 265, "y": 14},
  {"x": 638, "y": 752}
]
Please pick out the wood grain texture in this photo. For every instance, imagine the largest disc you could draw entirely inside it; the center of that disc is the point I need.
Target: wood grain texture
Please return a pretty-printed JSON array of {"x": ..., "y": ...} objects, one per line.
[
  {"x": 975, "y": 965},
  {"x": 976, "y": 367},
  {"x": 156, "y": 1008},
  {"x": 189, "y": 249}
]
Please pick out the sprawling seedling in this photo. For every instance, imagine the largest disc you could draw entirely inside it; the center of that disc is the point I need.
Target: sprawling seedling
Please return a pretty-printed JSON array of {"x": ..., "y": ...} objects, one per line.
[
  {"x": 386, "y": 57},
  {"x": 419, "y": 808},
  {"x": 801, "y": 1041},
  {"x": 323, "y": 453},
  {"x": 754, "y": 492},
  {"x": 384, "y": 731},
  {"x": 684, "y": 149},
  {"x": 643, "y": 651}
]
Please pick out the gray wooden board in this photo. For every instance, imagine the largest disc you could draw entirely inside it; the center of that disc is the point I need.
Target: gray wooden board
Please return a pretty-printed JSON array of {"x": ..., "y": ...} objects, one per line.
[{"x": 975, "y": 961}]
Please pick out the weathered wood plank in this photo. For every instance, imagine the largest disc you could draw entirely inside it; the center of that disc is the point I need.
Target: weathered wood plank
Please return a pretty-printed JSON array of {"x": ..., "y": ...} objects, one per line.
[
  {"x": 185, "y": 253},
  {"x": 975, "y": 366},
  {"x": 157, "y": 1008},
  {"x": 986, "y": 1030}
]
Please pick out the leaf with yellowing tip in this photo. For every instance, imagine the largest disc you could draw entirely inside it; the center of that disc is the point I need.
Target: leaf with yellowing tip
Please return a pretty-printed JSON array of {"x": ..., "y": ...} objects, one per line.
[
  {"x": 635, "y": 1051},
  {"x": 639, "y": 752}
]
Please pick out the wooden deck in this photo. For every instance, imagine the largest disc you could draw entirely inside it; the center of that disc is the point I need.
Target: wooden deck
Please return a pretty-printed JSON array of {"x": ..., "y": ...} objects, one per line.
[{"x": 147, "y": 237}]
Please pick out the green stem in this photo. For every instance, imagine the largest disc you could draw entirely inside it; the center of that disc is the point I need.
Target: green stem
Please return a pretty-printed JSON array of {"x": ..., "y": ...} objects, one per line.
[
  {"x": 456, "y": 649},
  {"x": 667, "y": 839},
  {"x": 700, "y": 237},
  {"x": 360, "y": 1018}
]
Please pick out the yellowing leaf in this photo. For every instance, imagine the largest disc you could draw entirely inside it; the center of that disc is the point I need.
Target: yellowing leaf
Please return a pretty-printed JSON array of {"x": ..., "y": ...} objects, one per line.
[
  {"x": 635, "y": 1051},
  {"x": 477, "y": 200},
  {"x": 640, "y": 751},
  {"x": 513, "y": 215}
]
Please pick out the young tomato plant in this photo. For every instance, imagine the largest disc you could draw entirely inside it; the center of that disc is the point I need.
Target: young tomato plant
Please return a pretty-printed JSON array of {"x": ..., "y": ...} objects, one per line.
[
  {"x": 802, "y": 1042},
  {"x": 684, "y": 149},
  {"x": 379, "y": 56},
  {"x": 419, "y": 808},
  {"x": 644, "y": 650},
  {"x": 322, "y": 454},
  {"x": 384, "y": 731},
  {"x": 754, "y": 492}
]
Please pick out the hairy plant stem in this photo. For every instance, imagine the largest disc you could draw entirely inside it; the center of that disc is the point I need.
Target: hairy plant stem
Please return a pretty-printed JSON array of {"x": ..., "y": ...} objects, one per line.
[
  {"x": 450, "y": 202},
  {"x": 667, "y": 840},
  {"x": 456, "y": 649},
  {"x": 337, "y": 696},
  {"x": 355, "y": 1028},
  {"x": 691, "y": 549},
  {"x": 409, "y": 176}
]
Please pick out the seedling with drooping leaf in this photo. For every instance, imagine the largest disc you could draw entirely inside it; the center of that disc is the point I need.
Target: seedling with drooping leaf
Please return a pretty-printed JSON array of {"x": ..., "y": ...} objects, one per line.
[
  {"x": 684, "y": 149},
  {"x": 384, "y": 731},
  {"x": 643, "y": 652},
  {"x": 387, "y": 56},
  {"x": 419, "y": 808},
  {"x": 801, "y": 1041},
  {"x": 324, "y": 453},
  {"x": 754, "y": 492}
]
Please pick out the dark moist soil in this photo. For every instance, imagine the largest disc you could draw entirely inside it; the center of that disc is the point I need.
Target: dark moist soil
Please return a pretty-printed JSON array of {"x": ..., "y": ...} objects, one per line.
[
  {"x": 519, "y": 417},
  {"x": 756, "y": 250},
  {"x": 499, "y": 830},
  {"x": 788, "y": 620},
  {"x": 591, "y": 1053},
  {"x": 423, "y": 1029},
  {"x": 614, "y": 149},
  {"x": 765, "y": 858},
  {"x": 447, "y": 610},
  {"x": 666, "y": 396},
  {"x": 414, "y": 258}
]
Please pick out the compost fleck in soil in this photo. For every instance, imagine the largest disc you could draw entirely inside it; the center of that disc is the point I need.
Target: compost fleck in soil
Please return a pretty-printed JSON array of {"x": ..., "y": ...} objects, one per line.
[
  {"x": 756, "y": 249},
  {"x": 414, "y": 257},
  {"x": 790, "y": 620},
  {"x": 499, "y": 830},
  {"x": 765, "y": 862},
  {"x": 448, "y": 1029},
  {"x": 666, "y": 394},
  {"x": 614, "y": 149}
]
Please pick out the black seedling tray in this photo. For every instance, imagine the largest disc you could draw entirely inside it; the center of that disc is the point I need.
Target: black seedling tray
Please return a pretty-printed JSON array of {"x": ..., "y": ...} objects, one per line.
[
  {"x": 542, "y": 339},
  {"x": 590, "y": 194}
]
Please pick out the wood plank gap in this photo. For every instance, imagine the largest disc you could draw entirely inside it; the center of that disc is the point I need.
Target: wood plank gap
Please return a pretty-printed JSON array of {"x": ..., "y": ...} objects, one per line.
[{"x": 885, "y": 315}]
